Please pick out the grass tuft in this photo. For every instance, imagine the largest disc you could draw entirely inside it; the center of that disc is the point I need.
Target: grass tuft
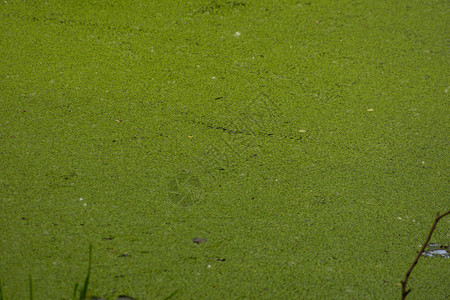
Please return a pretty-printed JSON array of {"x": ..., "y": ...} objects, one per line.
[{"x": 83, "y": 291}]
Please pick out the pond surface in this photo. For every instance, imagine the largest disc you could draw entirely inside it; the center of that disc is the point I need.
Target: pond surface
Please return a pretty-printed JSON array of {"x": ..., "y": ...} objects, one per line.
[{"x": 291, "y": 135}]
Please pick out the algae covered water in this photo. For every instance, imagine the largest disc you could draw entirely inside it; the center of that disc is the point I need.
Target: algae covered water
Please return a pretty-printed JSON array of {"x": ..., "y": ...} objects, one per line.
[{"x": 223, "y": 149}]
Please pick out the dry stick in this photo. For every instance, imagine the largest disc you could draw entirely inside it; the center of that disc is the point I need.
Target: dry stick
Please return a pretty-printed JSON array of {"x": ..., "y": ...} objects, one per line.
[{"x": 404, "y": 282}]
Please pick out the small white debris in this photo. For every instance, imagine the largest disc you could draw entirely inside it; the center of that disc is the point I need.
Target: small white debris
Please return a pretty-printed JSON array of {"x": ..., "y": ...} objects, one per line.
[
  {"x": 81, "y": 199},
  {"x": 237, "y": 33},
  {"x": 214, "y": 77},
  {"x": 84, "y": 204},
  {"x": 209, "y": 266},
  {"x": 399, "y": 218},
  {"x": 302, "y": 130},
  {"x": 369, "y": 109}
]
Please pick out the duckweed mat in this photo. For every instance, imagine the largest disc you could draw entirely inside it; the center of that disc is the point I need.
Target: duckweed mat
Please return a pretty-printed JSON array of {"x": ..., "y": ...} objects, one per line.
[{"x": 223, "y": 149}]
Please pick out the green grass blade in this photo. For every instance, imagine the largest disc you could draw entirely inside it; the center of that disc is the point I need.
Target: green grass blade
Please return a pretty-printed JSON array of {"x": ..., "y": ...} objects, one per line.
[
  {"x": 83, "y": 292},
  {"x": 1, "y": 290},
  {"x": 74, "y": 291},
  {"x": 171, "y": 295},
  {"x": 30, "y": 280}
]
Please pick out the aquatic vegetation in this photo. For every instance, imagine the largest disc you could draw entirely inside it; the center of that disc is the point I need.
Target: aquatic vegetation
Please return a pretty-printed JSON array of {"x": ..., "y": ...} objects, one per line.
[{"x": 294, "y": 136}]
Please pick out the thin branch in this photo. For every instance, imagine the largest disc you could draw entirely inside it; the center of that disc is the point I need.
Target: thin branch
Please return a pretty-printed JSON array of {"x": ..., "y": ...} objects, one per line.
[{"x": 405, "y": 281}]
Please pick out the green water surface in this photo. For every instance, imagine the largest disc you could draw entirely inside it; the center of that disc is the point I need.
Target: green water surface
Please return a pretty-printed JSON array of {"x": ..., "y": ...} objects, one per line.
[{"x": 305, "y": 141}]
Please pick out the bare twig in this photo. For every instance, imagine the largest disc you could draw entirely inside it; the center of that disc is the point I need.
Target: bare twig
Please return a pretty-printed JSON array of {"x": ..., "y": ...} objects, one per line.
[{"x": 405, "y": 281}]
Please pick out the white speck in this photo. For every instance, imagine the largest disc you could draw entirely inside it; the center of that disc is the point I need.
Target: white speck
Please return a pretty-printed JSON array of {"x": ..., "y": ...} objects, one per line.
[
  {"x": 214, "y": 77},
  {"x": 81, "y": 199},
  {"x": 198, "y": 66},
  {"x": 369, "y": 109},
  {"x": 237, "y": 33},
  {"x": 302, "y": 130},
  {"x": 423, "y": 162},
  {"x": 399, "y": 218},
  {"x": 84, "y": 204},
  {"x": 209, "y": 266}
]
